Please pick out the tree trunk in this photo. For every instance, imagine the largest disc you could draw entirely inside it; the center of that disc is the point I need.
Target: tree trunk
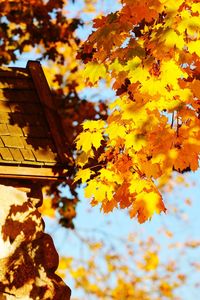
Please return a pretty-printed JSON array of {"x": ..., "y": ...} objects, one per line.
[{"x": 28, "y": 258}]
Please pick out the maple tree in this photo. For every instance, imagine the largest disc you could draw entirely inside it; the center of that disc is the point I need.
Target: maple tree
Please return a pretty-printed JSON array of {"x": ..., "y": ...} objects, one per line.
[
  {"x": 138, "y": 273},
  {"x": 109, "y": 263},
  {"x": 43, "y": 29},
  {"x": 149, "y": 50}
]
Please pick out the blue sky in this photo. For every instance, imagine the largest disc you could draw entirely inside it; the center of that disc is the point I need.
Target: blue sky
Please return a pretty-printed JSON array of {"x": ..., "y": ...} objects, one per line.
[{"x": 184, "y": 224}]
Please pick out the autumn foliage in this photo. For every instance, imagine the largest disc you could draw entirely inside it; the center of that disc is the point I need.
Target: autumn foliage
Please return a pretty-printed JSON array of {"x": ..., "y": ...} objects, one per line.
[
  {"x": 139, "y": 275},
  {"x": 149, "y": 51},
  {"x": 123, "y": 149}
]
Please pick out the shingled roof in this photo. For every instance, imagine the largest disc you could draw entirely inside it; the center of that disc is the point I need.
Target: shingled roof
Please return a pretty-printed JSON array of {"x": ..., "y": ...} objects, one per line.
[{"x": 31, "y": 143}]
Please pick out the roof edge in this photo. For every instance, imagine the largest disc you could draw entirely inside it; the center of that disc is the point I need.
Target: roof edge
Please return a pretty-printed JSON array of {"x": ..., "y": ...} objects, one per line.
[
  {"x": 45, "y": 96},
  {"x": 31, "y": 173}
]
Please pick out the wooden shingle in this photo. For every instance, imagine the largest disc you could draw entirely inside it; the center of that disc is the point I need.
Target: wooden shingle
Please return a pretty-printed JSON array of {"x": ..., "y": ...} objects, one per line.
[{"x": 31, "y": 137}]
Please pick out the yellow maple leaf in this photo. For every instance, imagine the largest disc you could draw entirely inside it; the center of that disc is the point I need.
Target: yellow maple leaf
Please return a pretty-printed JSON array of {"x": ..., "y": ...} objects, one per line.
[
  {"x": 194, "y": 47},
  {"x": 171, "y": 5},
  {"x": 65, "y": 263},
  {"x": 137, "y": 72},
  {"x": 171, "y": 72},
  {"x": 151, "y": 261},
  {"x": 135, "y": 141},
  {"x": 94, "y": 71},
  {"x": 146, "y": 204},
  {"x": 93, "y": 125},
  {"x": 87, "y": 139},
  {"x": 99, "y": 191},
  {"x": 171, "y": 38},
  {"x": 46, "y": 209},
  {"x": 110, "y": 176},
  {"x": 195, "y": 7},
  {"x": 83, "y": 174},
  {"x": 189, "y": 23},
  {"x": 137, "y": 185},
  {"x": 114, "y": 131}
]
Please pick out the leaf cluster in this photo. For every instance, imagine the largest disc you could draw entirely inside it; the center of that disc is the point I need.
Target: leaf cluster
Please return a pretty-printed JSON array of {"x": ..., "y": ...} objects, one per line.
[{"x": 149, "y": 50}]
